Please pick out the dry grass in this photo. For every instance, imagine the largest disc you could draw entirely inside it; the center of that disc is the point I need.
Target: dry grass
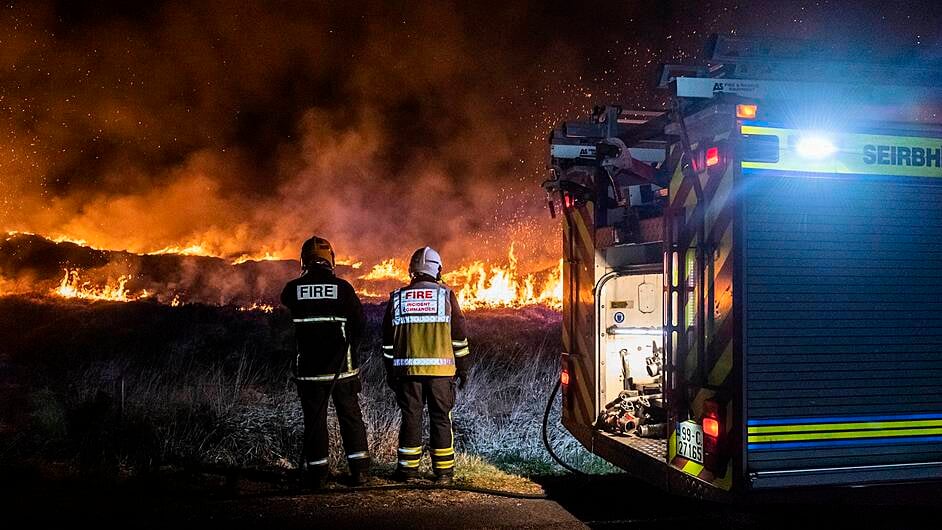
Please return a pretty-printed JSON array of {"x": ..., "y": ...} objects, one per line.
[
  {"x": 213, "y": 386},
  {"x": 475, "y": 472}
]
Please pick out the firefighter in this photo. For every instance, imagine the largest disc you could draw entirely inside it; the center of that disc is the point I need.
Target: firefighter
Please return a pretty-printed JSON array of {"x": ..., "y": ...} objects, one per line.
[
  {"x": 329, "y": 322},
  {"x": 425, "y": 349}
]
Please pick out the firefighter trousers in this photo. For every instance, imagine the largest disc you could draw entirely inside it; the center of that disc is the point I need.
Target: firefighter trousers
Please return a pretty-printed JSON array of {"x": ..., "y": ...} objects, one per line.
[
  {"x": 352, "y": 430},
  {"x": 412, "y": 394}
]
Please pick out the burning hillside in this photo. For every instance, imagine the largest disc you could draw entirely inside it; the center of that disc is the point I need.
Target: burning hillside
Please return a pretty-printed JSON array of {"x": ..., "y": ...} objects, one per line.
[
  {"x": 30, "y": 264},
  {"x": 223, "y": 130},
  {"x": 185, "y": 151}
]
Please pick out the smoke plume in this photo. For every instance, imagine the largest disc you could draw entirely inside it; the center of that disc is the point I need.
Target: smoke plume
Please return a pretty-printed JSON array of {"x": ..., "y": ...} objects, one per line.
[{"x": 244, "y": 128}]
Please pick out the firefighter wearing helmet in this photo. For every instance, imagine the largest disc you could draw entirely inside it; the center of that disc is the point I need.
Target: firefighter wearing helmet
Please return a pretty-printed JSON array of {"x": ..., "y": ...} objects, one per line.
[
  {"x": 328, "y": 322},
  {"x": 425, "y": 350}
]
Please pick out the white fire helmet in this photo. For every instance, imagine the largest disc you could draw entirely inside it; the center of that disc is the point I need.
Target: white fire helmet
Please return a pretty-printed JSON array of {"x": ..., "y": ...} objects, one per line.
[{"x": 425, "y": 261}]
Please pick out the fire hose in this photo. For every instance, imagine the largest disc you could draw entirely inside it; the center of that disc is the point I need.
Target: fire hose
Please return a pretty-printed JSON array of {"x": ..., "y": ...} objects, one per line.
[
  {"x": 488, "y": 491},
  {"x": 546, "y": 441},
  {"x": 546, "y": 444}
]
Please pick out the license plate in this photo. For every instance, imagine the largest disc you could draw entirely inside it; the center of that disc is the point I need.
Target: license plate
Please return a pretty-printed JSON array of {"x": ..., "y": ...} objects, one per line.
[{"x": 690, "y": 441}]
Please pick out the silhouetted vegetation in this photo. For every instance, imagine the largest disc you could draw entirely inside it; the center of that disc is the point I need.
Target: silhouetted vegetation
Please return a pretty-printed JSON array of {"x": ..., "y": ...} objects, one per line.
[{"x": 111, "y": 388}]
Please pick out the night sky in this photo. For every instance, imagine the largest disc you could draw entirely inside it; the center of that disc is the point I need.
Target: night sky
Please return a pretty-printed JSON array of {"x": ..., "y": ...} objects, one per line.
[{"x": 383, "y": 126}]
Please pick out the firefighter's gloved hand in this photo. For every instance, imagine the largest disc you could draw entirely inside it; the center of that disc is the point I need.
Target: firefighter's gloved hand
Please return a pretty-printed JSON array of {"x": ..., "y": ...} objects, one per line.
[{"x": 391, "y": 377}]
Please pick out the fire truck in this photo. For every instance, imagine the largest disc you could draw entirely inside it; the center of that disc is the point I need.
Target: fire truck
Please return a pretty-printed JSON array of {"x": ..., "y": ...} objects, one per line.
[{"x": 752, "y": 287}]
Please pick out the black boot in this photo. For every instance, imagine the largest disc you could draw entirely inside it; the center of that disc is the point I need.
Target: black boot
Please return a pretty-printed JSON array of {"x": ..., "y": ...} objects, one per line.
[
  {"x": 314, "y": 480},
  {"x": 405, "y": 476},
  {"x": 445, "y": 479},
  {"x": 358, "y": 477}
]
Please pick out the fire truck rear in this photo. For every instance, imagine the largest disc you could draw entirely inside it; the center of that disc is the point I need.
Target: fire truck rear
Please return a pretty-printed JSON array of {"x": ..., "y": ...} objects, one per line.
[{"x": 752, "y": 297}]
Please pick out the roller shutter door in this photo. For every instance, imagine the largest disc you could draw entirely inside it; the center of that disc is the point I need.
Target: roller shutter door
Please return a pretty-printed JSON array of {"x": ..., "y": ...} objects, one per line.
[{"x": 842, "y": 321}]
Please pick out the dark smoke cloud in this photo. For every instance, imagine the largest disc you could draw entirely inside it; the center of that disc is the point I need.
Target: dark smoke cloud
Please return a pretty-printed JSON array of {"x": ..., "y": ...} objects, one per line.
[{"x": 249, "y": 126}]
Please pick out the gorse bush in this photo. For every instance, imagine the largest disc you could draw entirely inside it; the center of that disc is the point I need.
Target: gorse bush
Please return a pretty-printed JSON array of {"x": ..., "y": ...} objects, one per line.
[{"x": 197, "y": 384}]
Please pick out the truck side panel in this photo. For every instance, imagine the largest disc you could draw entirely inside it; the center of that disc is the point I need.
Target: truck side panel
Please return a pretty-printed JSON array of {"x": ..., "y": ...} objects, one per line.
[{"x": 579, "y": 406}]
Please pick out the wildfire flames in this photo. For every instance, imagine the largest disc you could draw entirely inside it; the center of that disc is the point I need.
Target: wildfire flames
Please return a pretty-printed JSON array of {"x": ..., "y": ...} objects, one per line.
[
  {"x": 72, "y": 286},
  {"x": 264, "y": 308},
  {"x": 191, "y": 250},
  {"x": 389, "y": 269},
  {"x": 253, "y": 158},
  {"x": 268, "y": 256},
  {"x": 503, "y": 288},
  {"x": 496, "y": 286},
  {"x": 477, "y": 285}
]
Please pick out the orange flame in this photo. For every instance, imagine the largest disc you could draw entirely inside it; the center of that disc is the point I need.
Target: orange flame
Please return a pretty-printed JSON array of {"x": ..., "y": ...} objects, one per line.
[
  {"x": 350, "y": 262},
  {"x": 258, "y": 306},
  {"x": 370, "y": 294},
  {"x": 191, "y": 250},
  {"x": 267, "y": 256},
  {"x": 503, "y": 286},
  {"x": 72, "y": 286},
  {"x": 389, "y": 269},
  {"x": 55, "y": 239}
]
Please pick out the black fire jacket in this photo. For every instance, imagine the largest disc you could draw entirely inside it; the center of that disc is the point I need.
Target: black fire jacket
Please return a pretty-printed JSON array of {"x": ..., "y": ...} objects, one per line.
[{"x": 328, "y": 322}]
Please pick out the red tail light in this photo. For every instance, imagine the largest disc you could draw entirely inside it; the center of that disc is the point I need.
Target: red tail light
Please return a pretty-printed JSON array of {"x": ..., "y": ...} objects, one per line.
[
  {"x": 711, "y": 427},
  {"x": 711, "y": 418},
  {"x": 712, "y": 156},
  {"x": 714, "y": 435},
  {"x": 568, "y": 202},
  {"x": 564, "y": 377}
]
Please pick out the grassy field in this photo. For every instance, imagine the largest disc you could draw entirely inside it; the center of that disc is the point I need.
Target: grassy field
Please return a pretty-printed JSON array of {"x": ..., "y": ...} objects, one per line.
[{"x": 117, "y": 389}]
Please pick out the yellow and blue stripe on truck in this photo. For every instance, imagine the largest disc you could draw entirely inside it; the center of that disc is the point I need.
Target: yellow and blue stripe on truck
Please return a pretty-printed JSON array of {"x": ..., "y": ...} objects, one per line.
[{"x": 843, "y": 431}]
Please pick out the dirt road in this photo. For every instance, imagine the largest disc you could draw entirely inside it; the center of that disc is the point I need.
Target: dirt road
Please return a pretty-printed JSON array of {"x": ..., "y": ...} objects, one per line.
[
  {"x": 210, "y": 501},
  {"x": 402, "y": 509}
]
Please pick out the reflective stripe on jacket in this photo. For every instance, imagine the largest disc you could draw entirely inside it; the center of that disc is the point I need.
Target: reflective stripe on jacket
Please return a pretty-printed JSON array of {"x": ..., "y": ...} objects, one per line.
[
  {"x": 423, "y": 330},
  {"x": 348, "y": 369}
]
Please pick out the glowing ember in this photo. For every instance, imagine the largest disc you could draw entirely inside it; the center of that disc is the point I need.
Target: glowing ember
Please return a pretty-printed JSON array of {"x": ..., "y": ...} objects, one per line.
[
  {"x": 72, "y": 286},
  {"x": 258, "y": 306}
]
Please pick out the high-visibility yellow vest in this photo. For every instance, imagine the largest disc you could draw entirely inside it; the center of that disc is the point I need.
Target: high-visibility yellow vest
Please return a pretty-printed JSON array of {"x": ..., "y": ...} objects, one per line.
[{"x": 421, "y": 320}]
